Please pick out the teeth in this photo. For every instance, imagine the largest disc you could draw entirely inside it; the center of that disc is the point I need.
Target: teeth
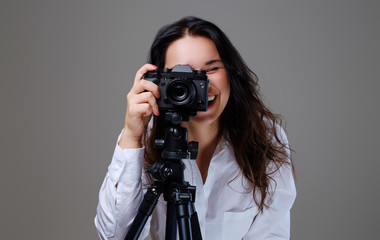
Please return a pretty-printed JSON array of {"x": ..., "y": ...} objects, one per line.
[{"x": 210, "y": 98}]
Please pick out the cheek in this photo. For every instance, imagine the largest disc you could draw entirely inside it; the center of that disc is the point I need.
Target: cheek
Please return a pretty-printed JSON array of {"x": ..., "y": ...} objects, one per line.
[
  {"x": 219, "y": 80},
  {"x": 223, "y": 86},
  {"x": 227, "y": 93}
]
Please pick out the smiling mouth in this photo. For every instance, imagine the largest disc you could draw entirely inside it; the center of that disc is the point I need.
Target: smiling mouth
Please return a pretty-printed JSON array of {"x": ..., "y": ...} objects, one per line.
[{"x": 211, "y": 100}]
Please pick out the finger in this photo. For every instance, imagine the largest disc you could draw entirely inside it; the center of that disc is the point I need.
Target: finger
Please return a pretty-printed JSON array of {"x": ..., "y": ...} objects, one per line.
[
  {"x": 145, "y": 97},
  {"x": 139, "y": 110},
  {"x": 144, "y": 85},
  {"x": 145, "y": 68}
]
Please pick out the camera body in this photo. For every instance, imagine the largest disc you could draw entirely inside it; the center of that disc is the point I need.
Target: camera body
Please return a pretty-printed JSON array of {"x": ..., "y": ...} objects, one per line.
[{"x": 182, "y": 89}]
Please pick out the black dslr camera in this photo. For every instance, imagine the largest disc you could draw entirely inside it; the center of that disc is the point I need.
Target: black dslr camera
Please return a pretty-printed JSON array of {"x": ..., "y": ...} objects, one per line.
[{"x": 182, "y": 89}]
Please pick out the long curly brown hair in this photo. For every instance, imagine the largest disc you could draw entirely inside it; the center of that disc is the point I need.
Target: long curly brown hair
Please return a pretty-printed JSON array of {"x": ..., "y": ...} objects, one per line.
[{"x": 254, "y": 135}]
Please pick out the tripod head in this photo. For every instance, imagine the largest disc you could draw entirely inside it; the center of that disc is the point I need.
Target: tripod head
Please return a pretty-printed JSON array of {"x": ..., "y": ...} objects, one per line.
[
  {"x": 175, "y": 148},
  {"x": 175, "y": 144}
]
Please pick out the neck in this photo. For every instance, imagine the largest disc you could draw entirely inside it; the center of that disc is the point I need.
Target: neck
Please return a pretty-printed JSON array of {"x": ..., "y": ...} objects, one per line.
[
  {"x": 207, "y": 137},
  {"x": 205, "y": 134}
]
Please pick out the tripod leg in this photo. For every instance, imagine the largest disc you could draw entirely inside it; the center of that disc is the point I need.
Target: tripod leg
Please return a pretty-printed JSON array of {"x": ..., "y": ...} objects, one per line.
[
  {"x": 171, "y": 221},
  {"x": 183, "y": 216},
  {"x": 197, "y": 235},
  {"x": 145, "y": 210}
]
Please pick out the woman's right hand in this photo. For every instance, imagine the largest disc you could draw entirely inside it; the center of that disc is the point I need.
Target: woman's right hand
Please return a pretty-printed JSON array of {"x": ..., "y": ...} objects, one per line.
[{"x": 141, "y": 103}]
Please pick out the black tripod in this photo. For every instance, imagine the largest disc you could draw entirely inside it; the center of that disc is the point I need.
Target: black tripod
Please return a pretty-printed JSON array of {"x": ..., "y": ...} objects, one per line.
[{"x": 169, "y": 180}]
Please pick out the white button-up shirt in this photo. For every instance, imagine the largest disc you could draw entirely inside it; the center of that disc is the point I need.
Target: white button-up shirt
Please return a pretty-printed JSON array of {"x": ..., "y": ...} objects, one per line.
[{"x": 224, "y": 203}]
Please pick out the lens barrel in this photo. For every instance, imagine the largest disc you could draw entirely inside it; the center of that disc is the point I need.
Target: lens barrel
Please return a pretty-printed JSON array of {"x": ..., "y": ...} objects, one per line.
[{"x": 181, "y": 92}]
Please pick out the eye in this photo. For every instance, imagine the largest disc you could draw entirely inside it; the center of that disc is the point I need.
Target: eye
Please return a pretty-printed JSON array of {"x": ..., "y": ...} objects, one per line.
[{"x": 211, "y": 70}]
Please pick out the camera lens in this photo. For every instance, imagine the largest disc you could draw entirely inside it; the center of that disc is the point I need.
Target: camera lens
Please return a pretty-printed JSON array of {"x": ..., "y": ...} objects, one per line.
[{"x": 180, "y": 92}]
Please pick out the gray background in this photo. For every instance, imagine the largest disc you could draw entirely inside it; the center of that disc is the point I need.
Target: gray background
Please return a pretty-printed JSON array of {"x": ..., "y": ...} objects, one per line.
[{"x": 66, "y": 67}]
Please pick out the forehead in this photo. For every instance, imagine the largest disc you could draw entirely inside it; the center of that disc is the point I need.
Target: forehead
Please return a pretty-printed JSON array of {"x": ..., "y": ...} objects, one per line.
[{"x": 194, "y": 51}]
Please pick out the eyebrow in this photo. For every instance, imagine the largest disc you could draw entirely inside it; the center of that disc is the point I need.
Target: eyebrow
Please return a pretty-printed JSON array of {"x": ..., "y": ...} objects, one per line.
[
  {"x": 212, "y": 61},
  {"x": 208, "y": 63}
]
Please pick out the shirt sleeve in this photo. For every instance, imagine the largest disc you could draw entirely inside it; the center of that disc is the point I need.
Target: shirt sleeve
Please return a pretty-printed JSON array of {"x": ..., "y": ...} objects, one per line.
[
  {"x": 274, "y": 222},
  {"x": 118, "y": 206}
]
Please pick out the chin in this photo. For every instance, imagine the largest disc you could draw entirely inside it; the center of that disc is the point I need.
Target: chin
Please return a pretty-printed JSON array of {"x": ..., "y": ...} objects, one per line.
[{"x": 204, "y": 118}]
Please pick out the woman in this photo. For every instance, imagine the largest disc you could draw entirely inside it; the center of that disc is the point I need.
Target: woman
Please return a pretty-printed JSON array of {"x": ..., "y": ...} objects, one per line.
[{"x": 243, "y": 173}]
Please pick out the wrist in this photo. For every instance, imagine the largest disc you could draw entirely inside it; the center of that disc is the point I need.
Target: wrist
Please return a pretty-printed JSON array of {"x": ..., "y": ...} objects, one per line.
[{"x": 128, "y": 141}]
